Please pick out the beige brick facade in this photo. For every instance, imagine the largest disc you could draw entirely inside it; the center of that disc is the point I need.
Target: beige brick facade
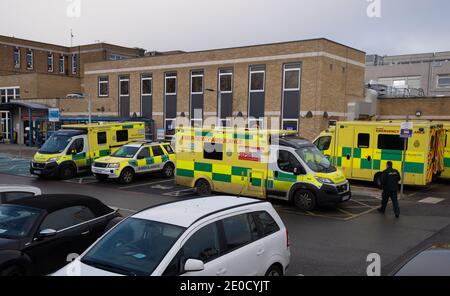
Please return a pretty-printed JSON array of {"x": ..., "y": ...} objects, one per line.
[{"x": 437, "y": 109}]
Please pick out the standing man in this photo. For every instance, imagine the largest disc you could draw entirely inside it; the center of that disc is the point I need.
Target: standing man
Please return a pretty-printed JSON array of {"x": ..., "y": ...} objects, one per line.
[{"x": 389, "y": 183}]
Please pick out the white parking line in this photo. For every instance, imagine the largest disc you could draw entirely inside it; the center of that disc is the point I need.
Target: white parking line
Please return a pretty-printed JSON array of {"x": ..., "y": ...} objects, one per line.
[
  {"x": 145, "y": 184},
  {"x": 431, "y": 200},
  {"x": 122, "y": 209}
]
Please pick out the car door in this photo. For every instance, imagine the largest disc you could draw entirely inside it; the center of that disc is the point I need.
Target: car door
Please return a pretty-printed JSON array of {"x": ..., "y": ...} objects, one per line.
[
  {"x": 242, "y": 249},
  {"x": 78, "y": 150},
  {"x": 159, "y": 157},
  {"x": 144, "y": 160},
  {"x": 72, "y": 237}
]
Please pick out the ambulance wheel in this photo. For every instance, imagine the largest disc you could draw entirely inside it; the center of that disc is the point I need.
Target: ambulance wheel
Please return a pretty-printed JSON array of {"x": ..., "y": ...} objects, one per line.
[
  {"x": 377, "y": 180},
  {"x": 67, "y": 172},
  {"x": 203, "y": 188},
  {"x": 168, "y": 170},
  {"x": 305, "y": 200},
  {"x": 127, "y": 176}
]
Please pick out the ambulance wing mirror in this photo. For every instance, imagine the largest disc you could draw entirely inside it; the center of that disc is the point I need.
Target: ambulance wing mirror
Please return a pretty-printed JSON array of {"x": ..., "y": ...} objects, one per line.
[{"x": 299, "y": 171}]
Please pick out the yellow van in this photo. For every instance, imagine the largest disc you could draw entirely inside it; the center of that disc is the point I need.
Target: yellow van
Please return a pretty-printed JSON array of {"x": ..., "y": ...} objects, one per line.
[
  {"x": 361, "y": 150},
  {"x": 258, "y": 163},
  {"x": 446, "y": 172},
  {"x": 72, "y": 149},
  {"x": 136, "y": 158}
]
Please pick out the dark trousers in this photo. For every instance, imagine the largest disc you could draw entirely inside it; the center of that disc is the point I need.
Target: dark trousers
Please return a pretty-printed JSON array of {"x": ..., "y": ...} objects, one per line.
[{"x": 393, "y": 196}]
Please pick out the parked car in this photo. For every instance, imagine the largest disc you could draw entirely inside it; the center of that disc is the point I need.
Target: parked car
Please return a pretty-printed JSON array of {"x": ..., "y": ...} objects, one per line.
[
  {"x": 434, "y": 261},
  {"x": 38, "y": 233},
  {"x": 13, "y": 192},
  {"x": 212, "y": 236}
]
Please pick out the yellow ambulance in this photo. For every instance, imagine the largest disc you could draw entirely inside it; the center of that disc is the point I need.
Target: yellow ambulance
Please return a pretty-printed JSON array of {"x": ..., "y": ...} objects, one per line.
[
  {"x": 136, "y": 158},
  {"x": 361, "y": 150},
  {"x": 72, "y": 149},
  {"x": 446, "y": 172},
  {"x": 257, "y": 163}
]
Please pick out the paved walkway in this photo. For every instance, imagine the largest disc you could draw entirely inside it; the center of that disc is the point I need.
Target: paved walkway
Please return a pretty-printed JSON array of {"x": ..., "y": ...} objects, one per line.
[{"x": 20, "y": 151}]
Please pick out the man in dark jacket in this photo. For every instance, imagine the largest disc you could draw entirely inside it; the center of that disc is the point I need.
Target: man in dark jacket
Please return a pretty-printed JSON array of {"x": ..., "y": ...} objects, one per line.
[{"x": 389, "y": 183}]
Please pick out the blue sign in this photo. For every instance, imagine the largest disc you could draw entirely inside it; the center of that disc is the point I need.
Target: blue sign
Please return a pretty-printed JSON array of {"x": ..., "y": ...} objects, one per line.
[
  {"x": 406, "y": 129},
  {"x": 53, "y": 114}
]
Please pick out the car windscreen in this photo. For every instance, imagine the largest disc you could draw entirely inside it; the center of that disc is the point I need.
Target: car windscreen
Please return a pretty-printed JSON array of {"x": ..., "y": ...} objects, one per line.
[
  {"x": 134, "y": 247},
  {"x": 16, "y": 221},
  {"x": 55, "y": 144},
  {"x": 126, "y": 152},
  {"x": 315, "y": 160}
]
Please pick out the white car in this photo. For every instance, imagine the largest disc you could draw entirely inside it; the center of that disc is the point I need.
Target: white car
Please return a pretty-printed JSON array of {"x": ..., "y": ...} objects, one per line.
[
  {"x": 12, "y": 192},
  {"x": 212, "y": 236}
]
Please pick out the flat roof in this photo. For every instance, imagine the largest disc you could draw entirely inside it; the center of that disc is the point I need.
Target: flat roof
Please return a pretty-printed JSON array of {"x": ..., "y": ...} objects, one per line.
[{"x": 184, "y": 213}]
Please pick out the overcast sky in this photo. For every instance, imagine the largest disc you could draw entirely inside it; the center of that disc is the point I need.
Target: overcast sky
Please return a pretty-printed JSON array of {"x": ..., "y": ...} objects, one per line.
[{"x": 404, "y": 26}]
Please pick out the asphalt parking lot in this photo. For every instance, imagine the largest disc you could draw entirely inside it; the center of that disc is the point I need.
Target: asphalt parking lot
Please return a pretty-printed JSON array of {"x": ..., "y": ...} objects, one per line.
[{"x": 326, "y": 241}]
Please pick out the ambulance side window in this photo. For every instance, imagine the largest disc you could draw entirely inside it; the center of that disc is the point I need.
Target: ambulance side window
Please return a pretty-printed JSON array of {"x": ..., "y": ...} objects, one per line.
[
  {"x": 101, "y": 138},
  {"x": 122, "y": 135},
  {"x": 323, "y": 143},
  {"x": 213, "y": 151},
  {"x": 157, "y": 151},
  {"x": 287, "y": 162},
  {"x": 145, "y": 152},
  {"x": 363, "y": 140},
  {"x": 77, "y": 146},
  {"x": 390, "y": 142}
]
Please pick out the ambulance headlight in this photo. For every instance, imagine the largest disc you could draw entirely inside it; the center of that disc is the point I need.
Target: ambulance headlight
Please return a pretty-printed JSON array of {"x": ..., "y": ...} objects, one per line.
[
  {"x": 114, "y": 165},
  {"x": 53, "y": 159},
  {"x": 324, "y": 180}
]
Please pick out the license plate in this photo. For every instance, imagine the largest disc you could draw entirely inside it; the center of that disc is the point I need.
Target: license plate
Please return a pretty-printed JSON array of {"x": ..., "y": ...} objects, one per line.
[
  {"x": 345, "y": 198},
  {"x": 37, "y": 172}
]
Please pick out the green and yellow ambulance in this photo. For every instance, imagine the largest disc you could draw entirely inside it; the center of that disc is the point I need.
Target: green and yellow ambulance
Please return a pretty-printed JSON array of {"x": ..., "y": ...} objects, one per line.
[
  {"x": 73, "y": 149},
  {"x": 258, "y": 163},
  {"x": 136, "y": 158},
  {"x": 446, "y": 172},
  {"x": 361, "y": 150}
]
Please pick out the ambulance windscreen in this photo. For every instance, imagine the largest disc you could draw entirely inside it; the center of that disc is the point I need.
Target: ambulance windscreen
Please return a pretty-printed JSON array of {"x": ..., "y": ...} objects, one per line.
[{"x": 315, "y": 160}]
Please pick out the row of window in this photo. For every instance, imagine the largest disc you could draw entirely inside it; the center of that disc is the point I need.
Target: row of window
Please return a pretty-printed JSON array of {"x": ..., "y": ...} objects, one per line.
[
  {"x": 257, "y": 75},
  {"x": 385, "y": 142},
  {"x": 50, "y": 61},
  {"x": 442, "y": 81}
]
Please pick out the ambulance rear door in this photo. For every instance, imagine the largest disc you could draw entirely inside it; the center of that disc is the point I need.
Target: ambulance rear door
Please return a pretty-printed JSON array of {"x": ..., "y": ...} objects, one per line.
[{"x": 344, "y": 145}]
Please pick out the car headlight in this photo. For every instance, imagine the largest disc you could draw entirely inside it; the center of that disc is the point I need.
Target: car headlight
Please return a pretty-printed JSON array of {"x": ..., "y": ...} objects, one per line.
[
  {"x": 114, "y": 165},
  {"x": 53, "y": 159},
  {"x": 324, "y": 180}
]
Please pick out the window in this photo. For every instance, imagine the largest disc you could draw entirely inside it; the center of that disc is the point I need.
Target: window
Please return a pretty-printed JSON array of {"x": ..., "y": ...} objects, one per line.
[
  {"x": 287, "y": 162},
  {"x": 74, "y": 64},
  {"x": 237, "y": 232},
  {"x": 292, "y": 77},
  {"x": 257, "y": 77},
  {"x": 363, "y": 140},
  {"x": 116, "y": 57},
  {"x": 196, "y": 82},
  {"x": 157, "y": 151},
  {"x": 323, "y": 143},
  {"x": 171, "y": 84},
  {"x": 16, "y": 57},
  {"x": 169, "y": 149},
  {"x": 101, "y": 138},
  {"x": 226, "y": 81},
  {"x": 402, "y": 82},
  {"x": 146, "y": 84},
  {"x": 443, "y": 81},
  {"x": 204, "y": 245},
  {"x": 122, "y": 135},
  {"x": 50, "y": 62},
  {"x": 77, "y": 146},
  {"x": 62, "y": 64},
  {"x": 103, "y": 86},
  {"x": 29, "y": 59},
  {"x": 124, "y": 85},
  {"x": 390, "y": 142},
  {"x": 67, "y": 217},
  {"x": 12, "y": 196},
  {"x": 266, "y": 223},
  {"x": 144, "y": 153},
  {"x": 213, "y": 151}
]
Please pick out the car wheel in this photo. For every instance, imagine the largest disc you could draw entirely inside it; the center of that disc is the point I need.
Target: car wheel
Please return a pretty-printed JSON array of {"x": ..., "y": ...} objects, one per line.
[
  {"x": 274, "y": 270},
  {"x": 127, "y": 176},
  {"x": 12, "y": 271},
  {"x": 67, "y": 172},
  {"x": 203, "y": 188},
  {"x": 113, "y": 222},
  {"x": 305, "y": 200},
  {"x": 168, "y": 170}
]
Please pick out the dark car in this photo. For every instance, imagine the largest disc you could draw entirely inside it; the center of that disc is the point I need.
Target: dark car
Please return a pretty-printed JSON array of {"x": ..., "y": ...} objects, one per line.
[
  {"x": 38, "y": 233},
  {"x": 434, "y": 261}
]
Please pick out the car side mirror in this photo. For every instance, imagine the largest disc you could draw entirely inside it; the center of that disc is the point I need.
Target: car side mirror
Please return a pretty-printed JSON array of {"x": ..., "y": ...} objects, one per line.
[
  {"x": 47, "y": 233},
  {"x": 299, "y": 171},
  {"x": 193, "y": 265}
]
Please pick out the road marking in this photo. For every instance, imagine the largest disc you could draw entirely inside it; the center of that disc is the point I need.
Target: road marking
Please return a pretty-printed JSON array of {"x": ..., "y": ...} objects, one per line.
[
  {"x": 178, "y": 193},
  {"x": 431, "y": 200},
  {"x": 145, "y": 184}
]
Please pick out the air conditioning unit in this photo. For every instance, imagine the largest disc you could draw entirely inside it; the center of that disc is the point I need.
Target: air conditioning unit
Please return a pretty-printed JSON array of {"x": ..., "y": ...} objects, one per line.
[{"x": 365, "y": 109}]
